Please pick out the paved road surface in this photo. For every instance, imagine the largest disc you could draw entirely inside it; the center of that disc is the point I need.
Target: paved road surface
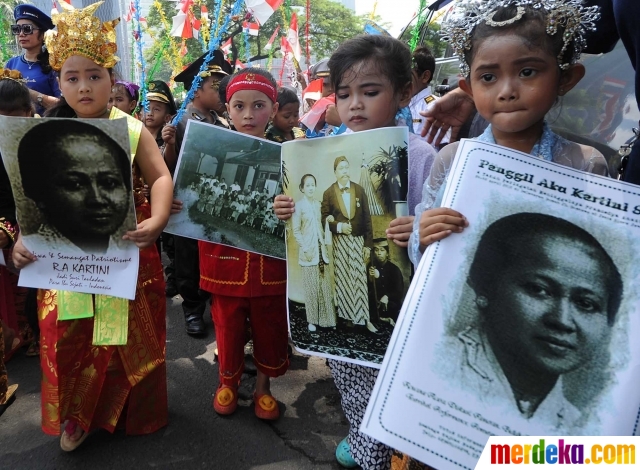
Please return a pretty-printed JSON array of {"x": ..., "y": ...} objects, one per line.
[{"x": 305, "y": 437}]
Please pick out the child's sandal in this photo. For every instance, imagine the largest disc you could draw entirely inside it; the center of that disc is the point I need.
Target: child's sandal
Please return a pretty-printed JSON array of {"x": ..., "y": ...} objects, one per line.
[
  {"x": 266, "y": 407},
  {"x": 225, "y": 400}
]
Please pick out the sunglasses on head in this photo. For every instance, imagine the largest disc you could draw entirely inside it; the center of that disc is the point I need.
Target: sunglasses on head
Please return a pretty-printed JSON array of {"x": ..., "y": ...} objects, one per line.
[{"x": 16, "y": 29}]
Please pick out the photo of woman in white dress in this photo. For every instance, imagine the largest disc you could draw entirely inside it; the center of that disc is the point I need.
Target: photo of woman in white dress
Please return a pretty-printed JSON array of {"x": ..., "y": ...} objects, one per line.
[{"x": 313, "y": 257}]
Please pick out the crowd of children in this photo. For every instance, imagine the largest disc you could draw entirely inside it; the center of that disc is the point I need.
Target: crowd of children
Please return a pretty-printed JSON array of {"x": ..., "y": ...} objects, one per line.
[{"x": 517, "y": 60}]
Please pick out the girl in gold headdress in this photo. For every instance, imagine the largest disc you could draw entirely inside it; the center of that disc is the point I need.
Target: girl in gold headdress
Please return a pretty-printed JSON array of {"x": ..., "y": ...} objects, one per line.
[{"x": 88, "y": 385}]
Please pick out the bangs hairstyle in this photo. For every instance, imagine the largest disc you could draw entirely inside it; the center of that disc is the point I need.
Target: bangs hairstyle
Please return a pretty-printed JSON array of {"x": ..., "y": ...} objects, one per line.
[
  {"x": 62, "y": 109},
  {"x": 287, "y": 96},
  {"x": 531, "y": 29},
  {"x": 390, "y": 57},
  {"x": 14, "y": 96}
]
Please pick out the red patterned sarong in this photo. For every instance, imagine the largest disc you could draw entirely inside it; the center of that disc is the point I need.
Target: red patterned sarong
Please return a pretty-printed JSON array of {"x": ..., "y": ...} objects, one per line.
[{"x": 107, "y": 386}]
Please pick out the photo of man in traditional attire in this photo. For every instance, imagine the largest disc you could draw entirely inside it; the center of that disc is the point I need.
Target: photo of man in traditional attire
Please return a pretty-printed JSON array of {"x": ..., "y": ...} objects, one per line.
[{"x": 345, "y": 209}]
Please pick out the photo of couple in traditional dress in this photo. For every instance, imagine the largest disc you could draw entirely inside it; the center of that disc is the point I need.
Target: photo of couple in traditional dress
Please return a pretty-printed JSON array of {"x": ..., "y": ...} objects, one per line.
[
  {"x": 346, "y": 280},
  {"x": 227, "y": 182}
]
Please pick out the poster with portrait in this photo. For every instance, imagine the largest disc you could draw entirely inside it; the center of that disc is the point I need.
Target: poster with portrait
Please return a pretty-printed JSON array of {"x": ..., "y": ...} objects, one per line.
[
  {"x": 227, "y": 182},
  {"x": 72, "y": 184},
  {"x": 346, "y": 281},
  {"x": 523, "y": 323}
]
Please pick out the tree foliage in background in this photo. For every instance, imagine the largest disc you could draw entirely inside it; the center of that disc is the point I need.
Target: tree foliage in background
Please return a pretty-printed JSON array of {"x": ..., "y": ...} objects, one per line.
[
  {"x": 331, "y": 24},
  {"x": 8, "y": 47}
]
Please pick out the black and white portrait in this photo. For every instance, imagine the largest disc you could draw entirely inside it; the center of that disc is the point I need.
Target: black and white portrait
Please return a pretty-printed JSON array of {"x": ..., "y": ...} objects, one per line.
[
  {"x": 346, "y": 281},
  {"x": 78, "y": 179},
  {"x": 227, "y": 182},
  {"x": 534, "y": 329}
]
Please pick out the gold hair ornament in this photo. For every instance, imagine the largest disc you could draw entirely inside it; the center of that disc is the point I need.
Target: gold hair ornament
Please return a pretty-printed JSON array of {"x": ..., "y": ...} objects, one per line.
[
  {"x": 571, "y": 15},
  {"x": 79, "y": 32},
  {"x": 15, "y": 75}
]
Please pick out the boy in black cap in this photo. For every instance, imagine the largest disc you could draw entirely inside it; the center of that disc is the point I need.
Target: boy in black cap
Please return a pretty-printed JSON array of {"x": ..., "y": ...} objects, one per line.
[
  {"x": 204, "y": 108},
  {"x": 162, "y": 108}
]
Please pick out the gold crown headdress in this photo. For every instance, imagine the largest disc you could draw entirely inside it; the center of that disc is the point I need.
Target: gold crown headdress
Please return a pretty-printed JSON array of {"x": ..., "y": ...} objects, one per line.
[
  {"x": 79, "y": 32},
  {"x": 15, "y": 75},
  {"x": 571, "y": 15}
]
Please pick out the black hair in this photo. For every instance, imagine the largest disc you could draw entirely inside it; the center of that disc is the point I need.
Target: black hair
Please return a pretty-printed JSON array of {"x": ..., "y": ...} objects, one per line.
[
  {"x": 304, "y": 178},
  {"x": 43, "y": 60},
  {"x": 287, "y": 95},
  {"x": 222, "y": 88},
  {"x": 33, "y": 159},
  {"x": 505, "y": 240},
  {"x": 423, "y": 60},
  {"x": 391, "y": 57},
  {"x": 62, "y": 109},
  {"x": 532, "y": 28},
  {"x": 14, "y": 96}
]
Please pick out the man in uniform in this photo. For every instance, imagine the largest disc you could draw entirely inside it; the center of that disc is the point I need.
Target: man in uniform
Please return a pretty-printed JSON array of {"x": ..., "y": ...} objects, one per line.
[{"x": 203, "y": 108}]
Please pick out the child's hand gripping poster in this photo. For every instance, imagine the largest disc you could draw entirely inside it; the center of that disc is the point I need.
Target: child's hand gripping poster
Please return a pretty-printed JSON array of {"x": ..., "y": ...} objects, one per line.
[
  {"x": 524, "y": 323},
  {"x": 346, "y": 280}
]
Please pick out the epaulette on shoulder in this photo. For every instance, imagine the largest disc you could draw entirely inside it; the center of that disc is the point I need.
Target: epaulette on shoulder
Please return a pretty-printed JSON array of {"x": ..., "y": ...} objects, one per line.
[
  {"x": 197, "y": 117},
  {"x": 430, "y": 99}
]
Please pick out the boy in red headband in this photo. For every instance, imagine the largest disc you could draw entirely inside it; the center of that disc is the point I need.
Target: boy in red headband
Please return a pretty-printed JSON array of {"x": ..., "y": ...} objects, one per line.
[{"x": 247, "y": 285}]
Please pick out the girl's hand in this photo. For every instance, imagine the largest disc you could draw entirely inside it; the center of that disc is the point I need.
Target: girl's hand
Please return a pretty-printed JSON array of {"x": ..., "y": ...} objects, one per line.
[
  {"x": 437, "y": 224},
  {"x": 20, "y": 255},
  {"x": 400, "y": 230},
  {"x": 146, "y": 234},
  {"x": 169, "y": 134},
  {"x": 283, "y": 206},
  {"x": 176, "y": 206}
]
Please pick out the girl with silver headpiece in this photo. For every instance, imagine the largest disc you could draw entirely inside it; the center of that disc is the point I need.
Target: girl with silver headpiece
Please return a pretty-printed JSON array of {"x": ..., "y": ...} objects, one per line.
[{"x": 518, "y": 58}]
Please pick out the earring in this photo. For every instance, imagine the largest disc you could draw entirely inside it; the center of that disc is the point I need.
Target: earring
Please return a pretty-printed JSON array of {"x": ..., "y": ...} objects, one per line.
[
  {"x": 113, "y": 90},
  {"x": 482, "y": 302}
]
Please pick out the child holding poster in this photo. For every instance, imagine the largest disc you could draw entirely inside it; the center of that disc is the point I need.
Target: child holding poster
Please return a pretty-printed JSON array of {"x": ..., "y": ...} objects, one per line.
[
  {"x": 372, "y": 78},
  {"x": 247, "y": 285},
  {"x": 90, "y": 384}
]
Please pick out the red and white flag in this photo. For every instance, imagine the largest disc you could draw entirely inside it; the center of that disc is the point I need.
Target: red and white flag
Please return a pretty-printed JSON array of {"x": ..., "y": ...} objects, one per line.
[
  {"x": 204, "y": 14},
  {"x": 269, "y": 45},
  {"x": 313, "y": 91},
  {"x": 292, "y": 37},
  {"x": 252, "y": 28},
  {"x": 226, "y": 47},
  {"x": 129, "y": 14},
  {"x": 54, "y": 9},
  {"x": 185, "y": 24},
  {"x": 285, "y": 47},
  {"x": 263, "y": 9}
]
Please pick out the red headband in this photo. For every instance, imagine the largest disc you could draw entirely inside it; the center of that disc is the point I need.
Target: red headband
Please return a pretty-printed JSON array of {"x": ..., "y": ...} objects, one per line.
[{"x": 251, "y": 81}]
